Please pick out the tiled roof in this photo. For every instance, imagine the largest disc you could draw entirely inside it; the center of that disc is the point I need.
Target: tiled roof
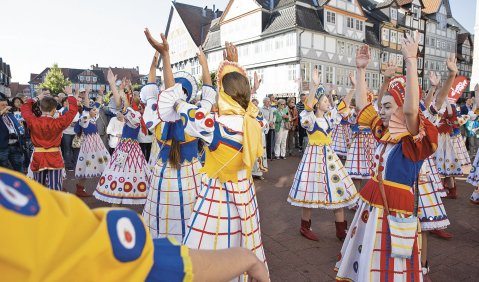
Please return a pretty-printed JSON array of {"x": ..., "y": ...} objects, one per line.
[
  {"x": 431, "y": 6},
  {"x": 462, "y": 37},
  {"x": 196, "y": 19},
  {"x": 294, "y": 16},
  {"x": 404, "y": 2}
]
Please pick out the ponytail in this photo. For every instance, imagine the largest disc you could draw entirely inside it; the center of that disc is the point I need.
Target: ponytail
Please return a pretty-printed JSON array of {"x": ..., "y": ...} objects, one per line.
[{"x": 174, "y": 156}]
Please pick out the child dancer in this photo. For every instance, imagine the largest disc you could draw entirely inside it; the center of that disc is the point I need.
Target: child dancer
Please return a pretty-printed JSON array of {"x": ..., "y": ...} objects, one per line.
[
  {"x": 125, "y": 180},
  {"x": 407, "y": 138},
  {"x": 226, "y": 213},
  {"x": 93, "y": 156},
  {"x": 321, "y": 180},
  {"x": 175, "y": 177},
  {"x": 47, "y": 164}
]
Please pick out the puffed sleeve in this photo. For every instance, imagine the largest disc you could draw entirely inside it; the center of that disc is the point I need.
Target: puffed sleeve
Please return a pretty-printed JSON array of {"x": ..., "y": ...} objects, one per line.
[
  {"x": 132, "y": 117},
  {"x": 84, "y": 121},
  {"x": 369, "y": 117},
  {"x": 149, "y": 96},
  {"x": 338, "y": 112},
  {"x": 424, "y": 144},
  {"x": 72, "y": 242},
  {"x": 307, "y": 119},
  {"x": 196, "y": 120}
]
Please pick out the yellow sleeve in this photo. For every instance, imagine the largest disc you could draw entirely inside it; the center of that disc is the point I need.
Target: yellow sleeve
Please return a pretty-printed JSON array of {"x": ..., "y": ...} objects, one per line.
[
  {"x": 54, "y": 236},
  {"x": 369, "y": 117}
]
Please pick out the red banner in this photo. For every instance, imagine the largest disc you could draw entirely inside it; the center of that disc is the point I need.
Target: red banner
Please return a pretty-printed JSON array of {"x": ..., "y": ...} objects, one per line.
[{"x": 458, "y": 87}]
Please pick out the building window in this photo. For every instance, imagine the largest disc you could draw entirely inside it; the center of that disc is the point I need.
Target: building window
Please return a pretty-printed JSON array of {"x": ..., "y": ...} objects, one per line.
[
  {"x": 375, "y": 80},
  {"x": 341, "y": 47},
  {"x": 306, "y": 72},
  {"x": 82, "y": 78},
  {"x": 385, "y": 57},
  {"x": 399, "y": 60},
  {"x": 94, "y": 79},
  {"x": 385, "y": 34},
  {"x": 394, "y": 14},
  {"x": 292, "y": 72},
  {"x": 329, "y": 74},
  {"x": 88, "y": 79},
  {"x": 394, "y": 36},
  {"x": 330, "y": 17},
  {"x": 350, "y": 22},
  {"x": 416, "y": 12},
  {"x": 359, "y": 25},
  {"x": 420, "y": 62}
]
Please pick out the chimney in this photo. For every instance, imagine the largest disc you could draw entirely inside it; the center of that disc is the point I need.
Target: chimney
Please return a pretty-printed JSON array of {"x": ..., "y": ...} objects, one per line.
[{"x": 204, "y": 11}]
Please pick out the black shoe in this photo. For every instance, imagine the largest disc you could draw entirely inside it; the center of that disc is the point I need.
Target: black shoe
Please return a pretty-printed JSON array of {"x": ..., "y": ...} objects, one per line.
[
  {"x": 277, "y": 158},
  {"x": 283, "y": 158}
]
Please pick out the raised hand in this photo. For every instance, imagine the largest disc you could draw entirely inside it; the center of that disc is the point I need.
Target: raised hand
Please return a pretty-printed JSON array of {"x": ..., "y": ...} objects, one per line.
[
  {"x": 434, "y": 78},
  {"x": 390, "y": 71},
  {"x": 452, "y": 64},
  {"x": 352, "y": 79},
  {"x": 101, "y": 90},
  {"x": 257, "y": 82},
  {"x": 230, "y": 53},
  {"x": 111, "y": 77},
  {"x": 316, "y": 78},
  {"x": 163, "y": 48},
  {"x": 410, "y": 45},
  {"x": 68, "y": 90},
  {"x": 201, "y": 57},
  {"x": 362, "y": 57}
]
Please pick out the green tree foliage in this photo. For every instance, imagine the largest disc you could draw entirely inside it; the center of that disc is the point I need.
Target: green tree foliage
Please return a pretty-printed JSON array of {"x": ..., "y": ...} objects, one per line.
[{"x": 54, "y": 80}]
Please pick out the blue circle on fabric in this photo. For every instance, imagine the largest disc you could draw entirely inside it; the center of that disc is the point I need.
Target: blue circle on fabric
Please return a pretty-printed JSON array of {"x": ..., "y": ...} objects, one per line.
[
  {"x": 127, "y": 235},
  {"x": 17, "y": 196}
]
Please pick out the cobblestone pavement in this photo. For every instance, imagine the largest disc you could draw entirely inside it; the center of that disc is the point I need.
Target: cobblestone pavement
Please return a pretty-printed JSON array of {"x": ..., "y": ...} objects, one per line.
[{"x": 293, "y": 258}]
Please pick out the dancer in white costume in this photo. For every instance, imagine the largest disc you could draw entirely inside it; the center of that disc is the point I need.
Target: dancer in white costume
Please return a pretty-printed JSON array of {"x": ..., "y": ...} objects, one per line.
[
  {"x": 126, "y": 179},
  {"x": 407, "y": 139},
  {"x": 175, "y": 177},
  {"x": 321, "y": 180},
  {"x": 93, "y": 157},
  {"x": 226, "y": 213}
]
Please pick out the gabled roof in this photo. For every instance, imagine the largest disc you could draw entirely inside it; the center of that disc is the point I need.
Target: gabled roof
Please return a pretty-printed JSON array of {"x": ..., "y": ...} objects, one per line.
[
  {"x": 197, "y": 20},
  {"x": 462, "y": 37},
  {"x": 453, "y": 22},
  {"x": 432, "y": 6},
  {"x": 293, "y": 16}
]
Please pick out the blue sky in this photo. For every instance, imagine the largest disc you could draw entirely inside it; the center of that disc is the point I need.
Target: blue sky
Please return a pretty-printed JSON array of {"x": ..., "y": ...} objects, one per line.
[{"x": 77, "y": 34}]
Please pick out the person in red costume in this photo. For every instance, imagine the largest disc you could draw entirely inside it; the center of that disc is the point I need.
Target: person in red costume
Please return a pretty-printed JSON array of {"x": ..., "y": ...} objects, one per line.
[{"x": 46, "y": 133}]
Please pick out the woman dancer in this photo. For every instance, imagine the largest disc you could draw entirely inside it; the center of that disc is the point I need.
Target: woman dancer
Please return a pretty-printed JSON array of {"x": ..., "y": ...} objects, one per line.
[
  {"x": 175, "y": 177},
  {"x": 321, "y": 180},
  {"x": 226, "y": 213},
  {"x": 342, "y": 134},
  {"x": 126, "y": 179},
  {"x": 407, "y": 138}
]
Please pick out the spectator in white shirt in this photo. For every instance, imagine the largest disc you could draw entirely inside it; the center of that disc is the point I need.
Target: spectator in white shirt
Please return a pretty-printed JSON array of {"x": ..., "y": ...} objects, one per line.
[
  {"x": 114, "y": 130},
  {"x": 268, "y": 114}
]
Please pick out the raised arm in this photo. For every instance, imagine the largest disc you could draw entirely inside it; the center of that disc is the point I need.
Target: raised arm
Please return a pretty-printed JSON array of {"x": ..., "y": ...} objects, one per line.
[
  {"x": 452, "y": 67},
  {"x": 435, "y": 79},
  {"x": 411, "y": 99},
  {"x": 204, "y": 67},
  {"x": 362, "y": 60},
  {"x": 26, "y": 109},
  {"x": 164, "y": 50},
  {"x": 152, "y": 73},
  {"x": 112, "y": 81},
  {"x": 388, "y": 74}
]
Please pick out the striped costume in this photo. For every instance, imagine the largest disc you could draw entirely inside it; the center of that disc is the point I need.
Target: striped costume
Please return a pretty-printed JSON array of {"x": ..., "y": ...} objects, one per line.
[
  {"x": 366, "y": 252},
  {"x": 126, "y": 178},
  {"x": 460, "y": 148},
  {"x": 342, "y": 137},
  {"x": 321, "y": 180},
  {"x": 226, "y": 213},
  {"x": 173, "y": 191},
  {"x": 359, "y": 160},
  {"x": 93, "y": 157}
]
